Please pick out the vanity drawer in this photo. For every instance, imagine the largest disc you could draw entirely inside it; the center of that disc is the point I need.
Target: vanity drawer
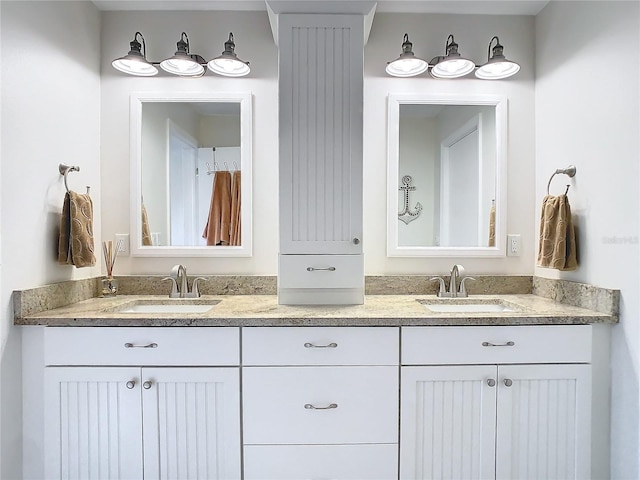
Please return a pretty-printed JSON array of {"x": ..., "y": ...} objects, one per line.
[
  {"x": 126, "y": 346},
  {"x": 321, "y": 271},
  {"x": 337, "y": 462},
  {"x": 488, "y": 344},
  {"x": 320, "y": 405},
  {"x": 320, "y": 346}
]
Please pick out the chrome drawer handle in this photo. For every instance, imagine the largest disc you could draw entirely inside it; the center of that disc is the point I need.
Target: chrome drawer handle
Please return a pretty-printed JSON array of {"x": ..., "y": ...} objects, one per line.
[
  {"x": 131, "y": 345},
  {"x": 312, "y": 345},
  {"x": 331, "y": 406},
  {"x": 489, "y": 344},
  {"x": 314, "y": 269}
]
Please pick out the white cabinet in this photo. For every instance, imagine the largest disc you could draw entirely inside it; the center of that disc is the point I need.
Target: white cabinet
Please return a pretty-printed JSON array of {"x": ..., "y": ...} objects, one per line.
[
  {"x": 154, "y": 422},
  {"x": 320, "y": 403},
  {"x": 498, "y": 420},
  {"x": 321, "y": 111}
]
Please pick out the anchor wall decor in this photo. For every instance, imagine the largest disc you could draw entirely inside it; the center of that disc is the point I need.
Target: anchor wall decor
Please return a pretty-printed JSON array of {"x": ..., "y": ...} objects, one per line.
[{"x": 406, "y": 215}]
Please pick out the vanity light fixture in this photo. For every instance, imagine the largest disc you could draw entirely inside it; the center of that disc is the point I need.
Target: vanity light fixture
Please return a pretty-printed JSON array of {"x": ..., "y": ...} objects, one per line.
[
  {"x": 183, "y": 63},
  {"x": 407, "y": 64},
  {"x": 452, "y": 64},
  {"x": 228, "y": 64},
  {"x": 135, "y": 62},
  {"x": 497, "y": 66}
]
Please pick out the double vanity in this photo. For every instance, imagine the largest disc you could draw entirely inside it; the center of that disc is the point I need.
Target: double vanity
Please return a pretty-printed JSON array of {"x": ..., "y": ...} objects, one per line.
[{"x": 230, "y": 387}]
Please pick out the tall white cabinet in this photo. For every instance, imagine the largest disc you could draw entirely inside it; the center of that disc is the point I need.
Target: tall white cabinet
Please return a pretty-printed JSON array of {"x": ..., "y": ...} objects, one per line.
[{"x": 320, "y": 108}]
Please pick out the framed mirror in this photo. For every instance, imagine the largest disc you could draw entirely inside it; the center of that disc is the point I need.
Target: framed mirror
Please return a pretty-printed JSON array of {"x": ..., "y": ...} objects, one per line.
[
  {"x": 446, "y": 175},
  {"x": 191, "y": 179}
]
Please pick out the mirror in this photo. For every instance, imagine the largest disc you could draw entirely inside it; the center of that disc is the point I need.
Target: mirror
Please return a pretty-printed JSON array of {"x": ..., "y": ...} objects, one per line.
[
  {"x": 446, "y": 174},
  {"x": 191, "y": 174}
]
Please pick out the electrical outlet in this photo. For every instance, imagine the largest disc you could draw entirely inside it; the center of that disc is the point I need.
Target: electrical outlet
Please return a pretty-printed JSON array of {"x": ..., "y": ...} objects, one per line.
[
  {"x": 124, "y": 250},
  {"x": 513, "y": 245}
]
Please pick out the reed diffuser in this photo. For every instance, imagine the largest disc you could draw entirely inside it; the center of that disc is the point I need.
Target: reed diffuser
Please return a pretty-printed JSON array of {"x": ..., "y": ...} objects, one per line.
[{"x": 110, "y": 284}]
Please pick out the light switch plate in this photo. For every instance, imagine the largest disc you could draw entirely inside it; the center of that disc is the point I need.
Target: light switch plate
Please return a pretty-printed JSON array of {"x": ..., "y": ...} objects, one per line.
[
  {"x": 125, "y": 249},
  {"x": 513, "y": 245}
]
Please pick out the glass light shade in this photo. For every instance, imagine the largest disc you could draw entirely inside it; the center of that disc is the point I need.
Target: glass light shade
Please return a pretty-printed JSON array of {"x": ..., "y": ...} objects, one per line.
[
  {"x": 228, "y": 66},
  {"x": 497, "y": 70},
  {"x": 452, "y": 68},
  {"x": 182, "y": 65},
  {"x": 134, "y": 65},
  {"x": 407, "y": 64}
]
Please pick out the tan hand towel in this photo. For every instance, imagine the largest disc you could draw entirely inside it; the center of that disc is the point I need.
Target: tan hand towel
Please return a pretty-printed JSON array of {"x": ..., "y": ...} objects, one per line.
[
  {"x": 236, "y": 222},
  {"x": 75, "y": 246},
  {"x": 217, "y": 229},
  {"x": 557, "y": 244},
  {"x": 146, "y": 231},
  {"x": 492, "y": 225}
]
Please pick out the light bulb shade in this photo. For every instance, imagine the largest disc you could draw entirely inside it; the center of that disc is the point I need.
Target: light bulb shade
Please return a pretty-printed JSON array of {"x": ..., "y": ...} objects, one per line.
[
  {"x": 453, "y": 65},
  {"x": 183, "y": 63},
  {"x": 228, "y": 64},
  {"x": 497, "y": 66},
  {"x": 135, "y": 62},
  {"x": 407, "y": 64}
]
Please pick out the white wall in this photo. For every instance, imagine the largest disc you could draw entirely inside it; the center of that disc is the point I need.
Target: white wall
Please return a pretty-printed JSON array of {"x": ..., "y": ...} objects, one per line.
[
  {"x": 50, "y": 114},
  {"x": 590, "y": 118},
  {"x": 428, "y": 34},
  {"x": 207, "y": 33}
]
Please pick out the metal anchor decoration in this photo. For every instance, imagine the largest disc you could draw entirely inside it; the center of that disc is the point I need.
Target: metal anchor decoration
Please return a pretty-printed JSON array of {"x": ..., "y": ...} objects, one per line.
[{"x": 406, "y": 215}]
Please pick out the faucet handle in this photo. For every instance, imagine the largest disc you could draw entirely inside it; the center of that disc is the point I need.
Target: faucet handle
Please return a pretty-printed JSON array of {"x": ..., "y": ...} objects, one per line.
[
  {"x": 463, "y": 289},
  {"x": 443, "y": 288},
  {"x": 194, "y": 288},
  {"x": 174, "y": 287}
]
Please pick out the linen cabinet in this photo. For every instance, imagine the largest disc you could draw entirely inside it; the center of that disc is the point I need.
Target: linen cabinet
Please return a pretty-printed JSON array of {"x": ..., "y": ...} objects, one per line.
[
  {"x": 320, "y": 192},
  {"x": 496, "y": 402},
  {"x": 137, "y": 421}
]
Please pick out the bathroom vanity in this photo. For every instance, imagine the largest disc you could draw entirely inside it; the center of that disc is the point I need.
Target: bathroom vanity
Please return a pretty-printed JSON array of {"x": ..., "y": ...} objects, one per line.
[{"x": 255, "y": 390}]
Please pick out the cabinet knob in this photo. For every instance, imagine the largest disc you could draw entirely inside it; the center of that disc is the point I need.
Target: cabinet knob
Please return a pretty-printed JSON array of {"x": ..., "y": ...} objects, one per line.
[
  {"x": 331, "y": 406},
  {"x": 130, "y": 384},
  {"x": 491, "y": 382},
  {"x": 356, "y": 241},
  {"x": 508, "y": 382},
  {"x": 146, "y": 385}
]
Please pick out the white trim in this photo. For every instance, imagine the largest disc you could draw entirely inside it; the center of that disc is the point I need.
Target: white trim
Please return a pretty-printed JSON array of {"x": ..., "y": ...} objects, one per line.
[
  {"x": 393, "y": 154},
  {"x": 246, "y": 150}
]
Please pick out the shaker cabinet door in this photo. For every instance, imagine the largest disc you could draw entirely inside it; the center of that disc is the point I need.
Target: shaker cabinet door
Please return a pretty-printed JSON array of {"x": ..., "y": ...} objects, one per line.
[{"x": 93, "y": 421}]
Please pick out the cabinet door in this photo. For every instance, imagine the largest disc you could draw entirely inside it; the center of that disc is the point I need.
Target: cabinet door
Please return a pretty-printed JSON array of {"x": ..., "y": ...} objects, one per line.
[
  {"x": 93, "y": 423},
  {"x": 447, "y": 422},
  {"x": 191, "y": 423},
  {"x": 321, "y": 98},
  {"x": 544, "y": 417}
]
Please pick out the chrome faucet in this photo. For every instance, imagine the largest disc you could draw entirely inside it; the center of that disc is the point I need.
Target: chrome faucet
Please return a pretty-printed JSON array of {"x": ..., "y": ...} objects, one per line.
[
  {"x": 455, "y": 290},
  {"x": 179, "y": 285}
]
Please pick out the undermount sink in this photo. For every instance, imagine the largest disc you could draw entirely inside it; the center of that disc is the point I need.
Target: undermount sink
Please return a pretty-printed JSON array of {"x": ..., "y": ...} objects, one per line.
[
  {"x": 167, "y": 306},
  {"x": 467, "y": 306}
]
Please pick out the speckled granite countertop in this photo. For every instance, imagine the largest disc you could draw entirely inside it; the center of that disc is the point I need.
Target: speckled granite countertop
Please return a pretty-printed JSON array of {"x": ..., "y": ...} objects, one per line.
[{"x": 263, "y": 310}]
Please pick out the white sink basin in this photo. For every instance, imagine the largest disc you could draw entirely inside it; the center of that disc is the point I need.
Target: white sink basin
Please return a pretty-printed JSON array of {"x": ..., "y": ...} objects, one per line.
[
  {"x": 167, "y": 306},
  {"x": 468, "y": 308}
]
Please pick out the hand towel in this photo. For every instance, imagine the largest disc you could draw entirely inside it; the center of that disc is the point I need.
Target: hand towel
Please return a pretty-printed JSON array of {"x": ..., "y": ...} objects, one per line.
[
  {"x": 557, "y": 244},
  {"x": 146, "y": 231},
  {"x": 75, "y": 246},
  {"x": 492, "y": 225},
  {"x": 236, "y": 197},
  {"x": 217, "y": 229}
]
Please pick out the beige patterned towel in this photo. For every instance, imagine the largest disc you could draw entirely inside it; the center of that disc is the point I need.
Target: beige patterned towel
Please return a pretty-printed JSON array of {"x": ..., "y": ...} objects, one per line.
[
  {"x": 236, "y": 220},
  {"x": 75, "y": 246},
  {"x": 557, "y": 246},
  {"x": 146, "y": 231}
]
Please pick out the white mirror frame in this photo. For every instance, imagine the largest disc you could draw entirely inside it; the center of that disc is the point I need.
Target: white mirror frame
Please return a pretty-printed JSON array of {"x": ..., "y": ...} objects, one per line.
[
  {"x": 246, "y": 146},
  {"x": 393, "y": 156}
]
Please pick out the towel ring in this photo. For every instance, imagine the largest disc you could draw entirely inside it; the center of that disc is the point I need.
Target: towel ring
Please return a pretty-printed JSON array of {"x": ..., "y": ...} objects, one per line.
[
  {"x": 569, "y": 171},
  {"x": 64, "y": 170}
]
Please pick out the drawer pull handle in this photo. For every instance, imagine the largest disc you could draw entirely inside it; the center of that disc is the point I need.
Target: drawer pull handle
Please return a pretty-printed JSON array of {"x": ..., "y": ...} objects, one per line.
[
  {"x": 331, "y": 406},
  {"x": 313, "y": 345},
  {"x": 314, "y": 269},
  {"x": 491, "y": 382},
  {"x": 508, "y": 382},
  {"x": 489, "y": 344},
  {"x": 130, "y": 384},
  {"x": 131, "y": 345}
]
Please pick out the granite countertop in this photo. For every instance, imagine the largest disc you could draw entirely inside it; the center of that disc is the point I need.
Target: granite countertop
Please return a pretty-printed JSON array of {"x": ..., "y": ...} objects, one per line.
[{"x": 263, "y": 310}]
